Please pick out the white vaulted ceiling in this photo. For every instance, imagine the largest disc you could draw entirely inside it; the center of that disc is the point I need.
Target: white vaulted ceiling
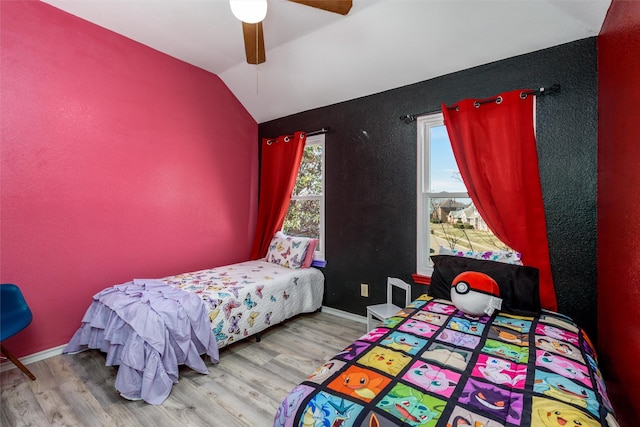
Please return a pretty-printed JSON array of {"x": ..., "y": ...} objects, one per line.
[{"x": 317, "y": 58}]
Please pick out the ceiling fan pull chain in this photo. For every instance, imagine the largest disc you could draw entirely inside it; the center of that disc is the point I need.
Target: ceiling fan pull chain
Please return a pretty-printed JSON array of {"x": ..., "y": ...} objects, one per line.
[{"x": 257, "y": 58}]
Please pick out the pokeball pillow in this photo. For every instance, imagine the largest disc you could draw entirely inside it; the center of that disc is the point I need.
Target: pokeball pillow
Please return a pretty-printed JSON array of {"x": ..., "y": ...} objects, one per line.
[
  {"x": 475, "y": 293},
  {"x": 518, "y": 283}
]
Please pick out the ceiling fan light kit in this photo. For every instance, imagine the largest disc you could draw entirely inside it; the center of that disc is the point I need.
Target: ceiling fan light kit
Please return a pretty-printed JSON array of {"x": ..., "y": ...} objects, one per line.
[
  {"x": 249, "y": 11},
  {"x": 252, "y": 12}
]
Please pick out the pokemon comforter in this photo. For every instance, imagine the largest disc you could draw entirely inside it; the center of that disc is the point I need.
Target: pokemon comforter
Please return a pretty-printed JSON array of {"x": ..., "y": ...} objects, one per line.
[{"x": 432, "y": 365}]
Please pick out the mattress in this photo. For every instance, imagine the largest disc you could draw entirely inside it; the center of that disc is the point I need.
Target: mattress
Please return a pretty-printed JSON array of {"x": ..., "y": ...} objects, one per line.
[{"x": 246, "y": 298}]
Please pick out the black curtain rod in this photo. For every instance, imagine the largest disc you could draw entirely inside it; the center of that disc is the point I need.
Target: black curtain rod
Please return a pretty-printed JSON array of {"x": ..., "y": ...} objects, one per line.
[
  {"x": 409, "y": 118},
  {"x": 318, "y": 132},
  {"x": 313, "y": 132}
]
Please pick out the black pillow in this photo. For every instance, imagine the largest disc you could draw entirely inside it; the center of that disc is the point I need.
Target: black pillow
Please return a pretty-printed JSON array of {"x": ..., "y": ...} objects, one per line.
[{"x": 519, "y": 285}]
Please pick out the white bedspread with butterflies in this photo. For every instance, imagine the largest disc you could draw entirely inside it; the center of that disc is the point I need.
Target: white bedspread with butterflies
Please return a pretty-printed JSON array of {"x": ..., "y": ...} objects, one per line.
[{"x": 246, "y": 298}]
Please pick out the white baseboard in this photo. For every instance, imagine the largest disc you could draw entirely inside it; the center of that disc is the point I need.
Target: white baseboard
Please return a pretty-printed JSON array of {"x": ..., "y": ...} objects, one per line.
[
  {"x": 32, "y": 358},
  {"x": 344, "y": 314}
]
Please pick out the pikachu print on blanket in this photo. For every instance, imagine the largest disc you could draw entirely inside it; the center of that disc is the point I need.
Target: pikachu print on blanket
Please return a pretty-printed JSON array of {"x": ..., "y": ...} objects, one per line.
[{"x": 385, "y": 360}]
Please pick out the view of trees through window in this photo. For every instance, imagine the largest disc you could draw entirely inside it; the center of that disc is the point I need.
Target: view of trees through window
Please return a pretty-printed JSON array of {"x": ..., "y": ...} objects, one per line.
[{"x": 304, "y": 214}]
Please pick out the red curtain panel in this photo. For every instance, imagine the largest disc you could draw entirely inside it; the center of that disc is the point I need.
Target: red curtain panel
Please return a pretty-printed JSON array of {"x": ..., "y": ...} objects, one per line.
[
  {"x": 495, "y": 148},
  {"x": 279, "y": 167}
]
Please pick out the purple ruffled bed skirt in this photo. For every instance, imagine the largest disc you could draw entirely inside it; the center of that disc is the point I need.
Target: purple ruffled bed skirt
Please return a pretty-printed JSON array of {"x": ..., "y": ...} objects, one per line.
[{"x": 148, "y": 329}]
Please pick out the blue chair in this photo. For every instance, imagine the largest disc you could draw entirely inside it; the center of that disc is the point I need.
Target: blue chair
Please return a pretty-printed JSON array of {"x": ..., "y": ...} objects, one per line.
[{"x": 15, "y": 315}]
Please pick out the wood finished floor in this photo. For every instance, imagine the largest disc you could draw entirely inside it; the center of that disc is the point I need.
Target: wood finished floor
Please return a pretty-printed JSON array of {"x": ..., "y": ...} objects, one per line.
[{"x": 243, "y": 389}]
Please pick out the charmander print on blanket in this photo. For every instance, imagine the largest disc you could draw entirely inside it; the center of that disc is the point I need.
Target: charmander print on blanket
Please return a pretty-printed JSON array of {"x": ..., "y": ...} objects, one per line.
[{"x": 432, "y": 365}]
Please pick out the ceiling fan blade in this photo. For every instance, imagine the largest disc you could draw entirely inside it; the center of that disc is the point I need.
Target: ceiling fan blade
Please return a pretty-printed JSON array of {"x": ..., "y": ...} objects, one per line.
[
  {"x": 336, "y": 6},
  {"x": 253, "y": 42}
]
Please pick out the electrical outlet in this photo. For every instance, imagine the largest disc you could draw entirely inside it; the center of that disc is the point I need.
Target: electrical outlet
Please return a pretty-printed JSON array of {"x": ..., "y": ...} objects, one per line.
[{"x": 364, "y": 290}]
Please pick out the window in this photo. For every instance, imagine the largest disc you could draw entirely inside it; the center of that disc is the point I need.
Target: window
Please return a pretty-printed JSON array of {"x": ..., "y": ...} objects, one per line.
[
  {"x": 305, "y": 216},
  {"x": 446, "y": 215}
]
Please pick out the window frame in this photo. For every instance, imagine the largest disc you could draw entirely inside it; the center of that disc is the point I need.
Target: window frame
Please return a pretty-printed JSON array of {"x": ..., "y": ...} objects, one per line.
[
  {"x": 424, "y": 124},
  {"x": 311, "y": 141}
]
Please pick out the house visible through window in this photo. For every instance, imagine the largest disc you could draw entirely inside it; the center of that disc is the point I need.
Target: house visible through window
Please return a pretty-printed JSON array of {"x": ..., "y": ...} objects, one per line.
[
  {"x": 305, "y": 216},
  {"x": 446, "y": 215}
]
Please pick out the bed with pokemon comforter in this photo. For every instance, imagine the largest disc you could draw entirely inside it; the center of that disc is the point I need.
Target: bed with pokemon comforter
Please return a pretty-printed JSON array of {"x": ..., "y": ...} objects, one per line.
[{"x": 433, "y": 365}]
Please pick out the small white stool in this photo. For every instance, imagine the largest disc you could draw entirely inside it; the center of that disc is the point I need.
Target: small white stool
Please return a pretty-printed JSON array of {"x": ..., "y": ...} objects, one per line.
[{"x": 384, "y": 311}]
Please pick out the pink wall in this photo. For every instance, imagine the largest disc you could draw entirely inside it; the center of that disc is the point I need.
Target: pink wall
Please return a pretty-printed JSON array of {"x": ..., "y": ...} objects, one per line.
[
  {"x": 618, "y": 194},
  {"x": 117, "y": 162}
]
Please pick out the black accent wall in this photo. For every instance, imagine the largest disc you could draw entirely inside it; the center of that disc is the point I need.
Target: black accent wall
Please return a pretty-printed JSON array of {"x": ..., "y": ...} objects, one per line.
[{"x": 371, "y": 174}]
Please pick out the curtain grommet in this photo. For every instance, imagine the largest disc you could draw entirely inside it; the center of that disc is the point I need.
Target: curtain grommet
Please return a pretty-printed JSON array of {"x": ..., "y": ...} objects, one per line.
[
  {"x": 523, "y": 95},
  {"x": 476, "y": 104},
  {"x": 499, "y": 100}
]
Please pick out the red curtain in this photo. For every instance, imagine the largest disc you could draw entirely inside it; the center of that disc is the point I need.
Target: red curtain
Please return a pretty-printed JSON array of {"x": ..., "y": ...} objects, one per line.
[
  {"x": 279, "y": 167},
  {"x": 495, "y": 147}
]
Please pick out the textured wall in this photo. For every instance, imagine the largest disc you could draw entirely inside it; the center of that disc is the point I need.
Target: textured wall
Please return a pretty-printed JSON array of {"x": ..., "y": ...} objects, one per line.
[
  {"x": 371, "y": 174},
  {"x": 117, "y": 162},
  {"x": 618, "y": 190}
]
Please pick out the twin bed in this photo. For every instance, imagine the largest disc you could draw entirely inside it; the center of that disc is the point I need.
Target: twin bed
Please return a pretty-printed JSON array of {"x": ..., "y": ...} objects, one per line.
[
  {"x": 148, "y": 327},
  {"x": 434, "y": 365}
]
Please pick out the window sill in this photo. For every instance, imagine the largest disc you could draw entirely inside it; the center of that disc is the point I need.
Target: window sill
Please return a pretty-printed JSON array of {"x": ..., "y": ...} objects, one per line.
[
  {"x": 320, "y": 263},
  {"x": 421, "y": 279}
]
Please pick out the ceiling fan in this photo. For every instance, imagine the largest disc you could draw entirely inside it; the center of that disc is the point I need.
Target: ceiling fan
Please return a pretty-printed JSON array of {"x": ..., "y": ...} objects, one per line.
[{"x": 252, "y": 31}]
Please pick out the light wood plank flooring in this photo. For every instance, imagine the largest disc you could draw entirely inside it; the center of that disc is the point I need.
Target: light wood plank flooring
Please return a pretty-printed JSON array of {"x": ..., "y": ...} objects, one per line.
[{"x": 243, "y": 389}]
